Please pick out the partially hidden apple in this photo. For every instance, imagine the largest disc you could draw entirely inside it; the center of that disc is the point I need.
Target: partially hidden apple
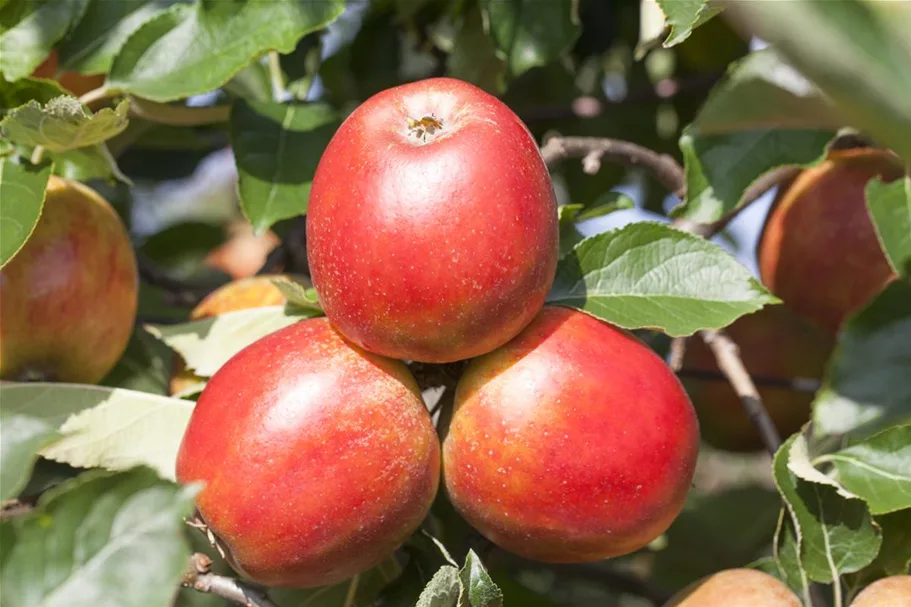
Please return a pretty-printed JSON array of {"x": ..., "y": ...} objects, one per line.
[
  {"x": 432, "y": 223},
  {"x": 775, "y": 345},
  {"x": 319, "y": 458},
  {"x": 76, "y": 83},
  {"x": 736, "y": 588},
  {"x": 893, "y": 591},
  {"x": 818, "y": 250},
  {"x": 237, "y": 295},
  {"x": 573, "y": 442},
  {"x": 244, "y": 252},
  {"x": 68, "y": 298}
]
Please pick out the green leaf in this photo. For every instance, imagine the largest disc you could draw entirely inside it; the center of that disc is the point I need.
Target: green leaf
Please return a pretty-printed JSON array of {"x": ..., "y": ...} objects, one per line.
[
  {"x": 762, "y": 116},
  {"x": 363, "y": 589},
  {"x": 714, "y": 522},
  {"x": 650, "y": 275},
  {"x": 276, "y": 149},
  {"x": 207, "y": 344},
  {"x": 894, "y": 557},
  {"x": 21, "y": 437},
  {"x": 569, "y": 215},
  {"x": 63, "y": 124},
  {"x": 476, "y": 587},
  {"x": 866, "y": 386},
  {"x": 531, "y": 33},
  {"x": 835, "y": 534},
  {"x": 145, "y": 366},
  {"x": 104, "y": 427},
  {"x": 22, "y": 190},
  {"x": 683, "y": 16},
  {"x": 92, "y": 45},
  {"x": 890, "y": 209},
  {"x": 186, "y": 51},
  {"x": 784, "y": 564},
  {"x": 20, "y": 92},
  {"x": 101, "y": 539},
  {"x": 30, "y": 415},
  {"x": 857, "y": 51},
  {"x": 474, "y": 58},
  {"x": 442, "y": 590},
  {"x": 94, "y": 162},
  {"x": 298, "y": 294},
  {"x": 878, "y": 469},
  {"x": 30, "y": 29}
]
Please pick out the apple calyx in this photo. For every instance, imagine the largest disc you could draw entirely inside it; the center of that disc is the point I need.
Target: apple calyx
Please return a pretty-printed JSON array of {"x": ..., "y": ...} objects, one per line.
[{"x": 427, "y": 125}]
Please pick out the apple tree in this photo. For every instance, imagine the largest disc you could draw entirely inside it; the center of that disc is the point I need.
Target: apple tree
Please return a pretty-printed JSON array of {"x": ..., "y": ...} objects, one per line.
[{"x": 414, "y": 303}]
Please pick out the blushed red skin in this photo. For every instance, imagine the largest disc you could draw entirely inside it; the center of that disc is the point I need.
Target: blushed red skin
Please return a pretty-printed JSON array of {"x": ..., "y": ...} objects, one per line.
[
  {"x": 774, "y": 343},
  {"x": 574, "y": 442},
  {"x": 818, "y": 250},
  {"x": 432, "y": 251},
  {"x": 319, "y": 458},
  {"x": 68, "y": 298}
]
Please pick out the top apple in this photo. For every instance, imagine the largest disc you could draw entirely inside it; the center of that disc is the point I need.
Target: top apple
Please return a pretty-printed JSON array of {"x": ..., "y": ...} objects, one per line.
[{"x": 432, "y": 224}]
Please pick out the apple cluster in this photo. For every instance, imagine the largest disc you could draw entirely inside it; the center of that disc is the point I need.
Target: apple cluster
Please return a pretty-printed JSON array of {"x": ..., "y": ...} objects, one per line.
[{"x": 432, "y": 238}]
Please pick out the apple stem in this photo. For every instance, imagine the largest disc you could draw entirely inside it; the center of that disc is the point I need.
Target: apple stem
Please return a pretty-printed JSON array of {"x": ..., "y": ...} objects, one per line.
[
  {"x": 199, "y": 577},
  {"x": 727, "y": 354}
]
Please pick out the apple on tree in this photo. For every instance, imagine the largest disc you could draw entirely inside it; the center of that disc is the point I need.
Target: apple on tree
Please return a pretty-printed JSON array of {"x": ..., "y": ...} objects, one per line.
[
  {"x": 432, "y": 223},
  {"x": 318, "y": 457},
  {"x": 818, "y": 250},
  {"x": 69, "y": 296},
  {"x": 573, "y": 442}
]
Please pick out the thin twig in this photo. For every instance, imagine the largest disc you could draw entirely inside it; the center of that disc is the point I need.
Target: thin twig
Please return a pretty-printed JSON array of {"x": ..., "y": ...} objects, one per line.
[
  {"x": 177, "y": 115},
  {"x": 277, "y": 77},
  {"x": 727, "y": 355},
  {"x": 678, "y": 352},
  {"x": 198, "y": 576},
  {"x": 797, "y": 384},
  {"x": 753, "y": 193},
  {"x": 662, "y": 167},
  {"x": 94, "y": 95}
]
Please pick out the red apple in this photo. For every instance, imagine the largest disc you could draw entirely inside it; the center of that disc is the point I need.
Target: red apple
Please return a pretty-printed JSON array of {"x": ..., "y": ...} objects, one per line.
[
  {"x": 819, "y": 251},
  {"x": 774, "y": 343},
  {"x": 432, "y": 225},
  {"x": 736, "y": 588},
  {"x": 318, "y": 458},
  {"x": 573, "y": 442},
  {"x": 69, "y": 296},
  {"x": 253, "y": 292}
]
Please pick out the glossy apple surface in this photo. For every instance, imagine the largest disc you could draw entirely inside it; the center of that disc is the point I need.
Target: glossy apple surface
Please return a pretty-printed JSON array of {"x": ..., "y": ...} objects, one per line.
[
  {"x": 573, "y": 442},
  {"x": 319, "y": 458},
  {"x": 819, "y": 251},
  {"x": 237, "y": 295},
  {"x": 432, "y": 244},
  {"x": 775, "y": 344},
  {"x": 68, "y": 298},
  {"x": 736, "y": 588}
]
